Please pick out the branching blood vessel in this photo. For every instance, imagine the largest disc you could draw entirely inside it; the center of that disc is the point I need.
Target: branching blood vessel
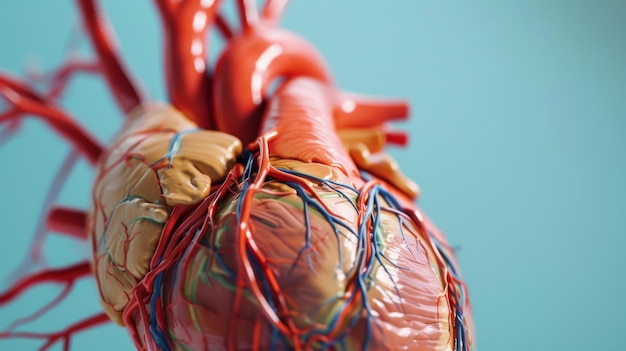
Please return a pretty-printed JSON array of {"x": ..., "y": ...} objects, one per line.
[{"x": 239, "y": 217}]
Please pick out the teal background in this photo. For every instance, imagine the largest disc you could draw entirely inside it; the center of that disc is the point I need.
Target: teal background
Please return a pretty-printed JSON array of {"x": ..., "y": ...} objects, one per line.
[{"x": 518, "y": 142}]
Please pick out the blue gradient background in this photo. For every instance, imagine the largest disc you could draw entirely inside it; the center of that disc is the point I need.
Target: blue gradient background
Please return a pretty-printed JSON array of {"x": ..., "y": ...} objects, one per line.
[{"x": 518, "y": 142}]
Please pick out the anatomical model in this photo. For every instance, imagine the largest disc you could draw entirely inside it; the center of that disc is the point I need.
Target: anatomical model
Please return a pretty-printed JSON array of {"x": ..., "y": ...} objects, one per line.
[{"x": 242, "y": 217}]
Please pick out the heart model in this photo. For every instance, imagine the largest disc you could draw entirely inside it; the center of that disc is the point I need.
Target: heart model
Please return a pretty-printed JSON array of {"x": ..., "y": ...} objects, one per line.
[{"x": 244, "y": 217}]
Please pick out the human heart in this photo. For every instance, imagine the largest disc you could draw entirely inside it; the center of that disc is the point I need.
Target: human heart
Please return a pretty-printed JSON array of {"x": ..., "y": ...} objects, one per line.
[
  {"x": 257, "y": 211},
  {"x": 302, "y": 240}
]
